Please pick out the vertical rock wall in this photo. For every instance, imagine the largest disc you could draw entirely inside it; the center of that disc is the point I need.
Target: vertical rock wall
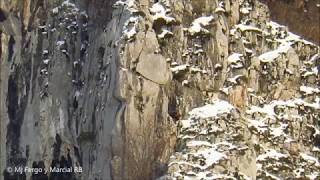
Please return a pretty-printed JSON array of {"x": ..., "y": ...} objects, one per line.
[{"x": 74, "y": 94}]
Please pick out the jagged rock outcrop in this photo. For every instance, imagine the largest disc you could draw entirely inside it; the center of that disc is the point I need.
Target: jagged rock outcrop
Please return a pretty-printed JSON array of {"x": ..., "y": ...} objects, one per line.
[
  {"x": 106, "y": 86},
  {"x": 268, "y": 129}
]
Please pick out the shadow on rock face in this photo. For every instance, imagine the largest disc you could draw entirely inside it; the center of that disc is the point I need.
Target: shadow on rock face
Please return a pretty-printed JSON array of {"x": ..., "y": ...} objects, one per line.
[{"x": 2, "y": 16}]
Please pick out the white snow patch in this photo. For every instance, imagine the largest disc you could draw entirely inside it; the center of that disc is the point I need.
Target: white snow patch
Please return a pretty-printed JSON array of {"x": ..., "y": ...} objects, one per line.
[
  {"x": 130, "y": 27},
  {"x": 219, "y": 9},
  {"x": 290, "y": 37},
  {"x": 245, "y": 10},
  {"x": 234, "y": 79},
  {"x": 164, "y": 33},
  {"x": 55, "y": 10},
  {"x": 278, "y": 132},
  {"x": 67, "y": 3},
  {"x": 211, "y": 156},
  {"x": 244, "y": 28},
  {"x": 315, "y": 57},
  {"x": 179, "y": 68},
  {"x": 46, "y": 61},
  {"x": 271, "y": 154},
  {"x": 234, "y": 58},
  {"x": 272, "y": 55},
  {"x": 309, "y": 90},
  {"x": 160, "y": 12},
  {"x": 212, "y": 110},
  {"x": 260, "y": 126},
  {"x": 199, "y": 24},
  {"x": 60, "y": 43},
  {"x": 185, "y": 124},
  {"x": 44, "y": 52},
  {"x": 268, "y": 109},
  {"x": 128, "y": 4},
  {"x": 199, "y": 143},
  {"x": 310, "y": 159}
]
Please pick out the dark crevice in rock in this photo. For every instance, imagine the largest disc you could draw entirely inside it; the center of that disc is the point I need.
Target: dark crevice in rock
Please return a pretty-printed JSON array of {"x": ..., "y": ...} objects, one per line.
[
  {"x": 39, "y": 175},
  {"x": 64, "y": 163},
  {"x": 57, "y": 146},
  {"x": 75, "y": 103},
  {"x": 317, "y": 141},
  {"x": 11, "y": 48},
  {"x": 101, "y": 53},
  {"x": 94, "y": 120},
  {"x": 2, "y": 16},
  {"x": 60, "y": 161},
  {"x": 173, "y": 109},
  {"x": 11, "y": 176},
  {"x": 13, "y": 109},
  {"x": 84, "y": 37},
  {"x": 16, "y": 102},
  {"x": 78, "y": 155}
]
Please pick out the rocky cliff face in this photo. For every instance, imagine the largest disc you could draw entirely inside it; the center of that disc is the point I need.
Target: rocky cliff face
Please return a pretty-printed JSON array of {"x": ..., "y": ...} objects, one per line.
[
  {"x": 111, "y": 86},
  {"x": 302, "y": 16}
]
